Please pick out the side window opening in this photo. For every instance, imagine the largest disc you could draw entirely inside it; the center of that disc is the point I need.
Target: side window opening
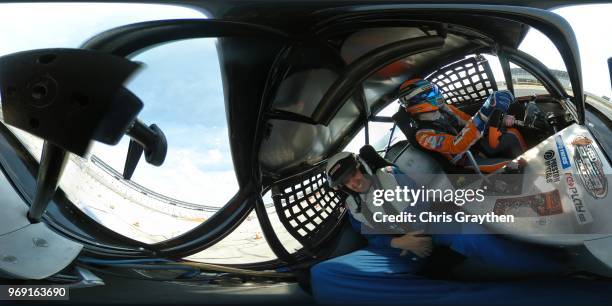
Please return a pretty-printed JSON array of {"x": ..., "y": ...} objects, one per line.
[
  {"x": 288, "y": 241},
  {"x": 595, "y": 49},
  {"x": 197, "y": 177},
  {"x": 180, "y": 86},
  {"x": 357, "y": 142},
  {"x": 381, "y": 134},
  {"x": 524, "y": 83},
  {"x": 540, "y": 46}
]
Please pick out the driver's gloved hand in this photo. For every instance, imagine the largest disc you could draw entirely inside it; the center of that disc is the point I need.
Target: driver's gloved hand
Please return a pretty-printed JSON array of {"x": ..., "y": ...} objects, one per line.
[
  {"x": 509, "y": 120},
  {"x": 499, "y": 100}
]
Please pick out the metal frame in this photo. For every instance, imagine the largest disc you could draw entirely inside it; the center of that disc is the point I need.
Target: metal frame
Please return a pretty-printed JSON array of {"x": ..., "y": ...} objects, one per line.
[
  {"x": 444, "y": 76},
  {"x": 505, "y": 65},
  {"x": 21, "y": 167},
  {"x": 279, "y": 69},
  {"x": 548, "y": 23},
  {"x": 539, "y": 70},
  {"x": 128, "y": 40},
  {"x": 302, "y": 200},
  {"x": 364, "y": 67}
]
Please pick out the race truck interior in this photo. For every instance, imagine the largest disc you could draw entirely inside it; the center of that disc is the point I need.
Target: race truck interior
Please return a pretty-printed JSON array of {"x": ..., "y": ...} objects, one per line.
[{"x": 302, "y": 80}]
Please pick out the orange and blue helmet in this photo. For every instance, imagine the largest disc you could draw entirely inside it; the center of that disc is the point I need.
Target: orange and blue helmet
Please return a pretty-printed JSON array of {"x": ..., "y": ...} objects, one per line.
[{"x": 420, "y": 96}]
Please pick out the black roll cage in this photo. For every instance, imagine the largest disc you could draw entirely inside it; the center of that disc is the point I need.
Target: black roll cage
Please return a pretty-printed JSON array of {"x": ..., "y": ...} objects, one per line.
[{"x": 20, "y": 167}]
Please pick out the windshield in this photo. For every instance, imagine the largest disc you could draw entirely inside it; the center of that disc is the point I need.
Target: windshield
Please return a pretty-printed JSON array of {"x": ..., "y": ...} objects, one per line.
[{"x": 593, "y": 42}]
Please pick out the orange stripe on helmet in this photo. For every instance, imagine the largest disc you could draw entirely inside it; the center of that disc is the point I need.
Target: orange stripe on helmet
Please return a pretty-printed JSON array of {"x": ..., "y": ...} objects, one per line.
[{"x": 422, "y": 108}]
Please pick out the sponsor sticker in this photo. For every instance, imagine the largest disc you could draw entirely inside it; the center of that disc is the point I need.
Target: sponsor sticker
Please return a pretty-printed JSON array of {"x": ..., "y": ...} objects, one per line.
[
  {"x": 581, "y": 141},
  {"x": 541, "y": 204},
  {"x": 582, "y": 214},
  {"x": 548, "y": 155},
  {"x": 589, "y": 168},
  {"x": 565, "y": 163},
  {"x": 552, "y": 168}
]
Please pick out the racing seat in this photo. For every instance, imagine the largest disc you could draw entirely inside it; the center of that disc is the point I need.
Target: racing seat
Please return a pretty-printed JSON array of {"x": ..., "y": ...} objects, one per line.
[
  {"x": 409, "y": 126},
  {"x": 408, "y": 155},
  {"x": 372, "y": 158}
]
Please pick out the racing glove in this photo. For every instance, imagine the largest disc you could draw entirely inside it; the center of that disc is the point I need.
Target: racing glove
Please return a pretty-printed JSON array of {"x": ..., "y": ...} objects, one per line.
[{"x": 499, "y": 100}]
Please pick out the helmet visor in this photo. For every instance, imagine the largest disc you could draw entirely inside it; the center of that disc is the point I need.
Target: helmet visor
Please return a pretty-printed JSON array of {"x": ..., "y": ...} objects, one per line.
[{"x": 429, "y": 94}]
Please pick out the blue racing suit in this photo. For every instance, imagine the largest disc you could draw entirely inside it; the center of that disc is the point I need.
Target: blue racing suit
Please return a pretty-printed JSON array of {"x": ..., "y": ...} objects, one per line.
[{"x": 378, "y": 270}]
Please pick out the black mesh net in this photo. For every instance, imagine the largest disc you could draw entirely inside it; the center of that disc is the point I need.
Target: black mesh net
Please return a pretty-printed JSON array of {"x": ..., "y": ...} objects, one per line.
[
  {"x": 308, "y": 207},
  {"x": 469, "y": 80}
]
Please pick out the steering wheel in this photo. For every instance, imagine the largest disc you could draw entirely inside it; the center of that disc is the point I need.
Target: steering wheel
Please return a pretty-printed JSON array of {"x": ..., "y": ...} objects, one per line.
[{"x": 533, "y": 119}]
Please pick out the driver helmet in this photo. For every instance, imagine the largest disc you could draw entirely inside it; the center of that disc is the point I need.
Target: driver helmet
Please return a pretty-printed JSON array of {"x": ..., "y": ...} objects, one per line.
[
  {"x": 340, "y": 167},
  {"x": 420, "y": 96}
]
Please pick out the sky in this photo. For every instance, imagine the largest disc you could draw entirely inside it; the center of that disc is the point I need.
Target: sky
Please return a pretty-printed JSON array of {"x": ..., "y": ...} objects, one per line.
[
  {"x": 181, "y": 87},
  {"x": 591, "y": 25},
  {"x": 182, "y": 93}
]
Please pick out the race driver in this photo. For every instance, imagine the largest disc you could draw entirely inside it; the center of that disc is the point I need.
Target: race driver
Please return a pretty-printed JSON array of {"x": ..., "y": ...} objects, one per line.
[
  {"x": 389, "y": 267},
  {"x": 445, "y": 129}
]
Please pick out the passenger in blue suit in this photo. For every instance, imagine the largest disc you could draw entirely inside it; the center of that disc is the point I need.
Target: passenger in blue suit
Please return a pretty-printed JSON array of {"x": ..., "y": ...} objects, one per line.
[{"x": 390, "y": 262}]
